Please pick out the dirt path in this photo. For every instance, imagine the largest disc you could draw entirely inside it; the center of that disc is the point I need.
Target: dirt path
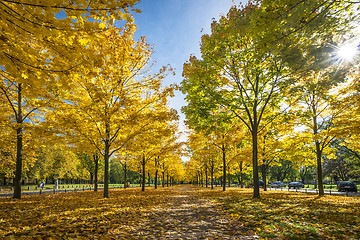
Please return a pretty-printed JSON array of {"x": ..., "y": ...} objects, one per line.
[{"x": 187, "y": 215}]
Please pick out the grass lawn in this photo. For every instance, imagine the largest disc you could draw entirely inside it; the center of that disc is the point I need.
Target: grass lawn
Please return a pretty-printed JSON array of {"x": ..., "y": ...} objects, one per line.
[{"x": 291, "y": 215}]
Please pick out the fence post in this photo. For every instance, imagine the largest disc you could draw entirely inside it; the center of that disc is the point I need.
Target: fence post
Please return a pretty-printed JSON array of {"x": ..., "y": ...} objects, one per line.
[{"x": 40, "y": 191}]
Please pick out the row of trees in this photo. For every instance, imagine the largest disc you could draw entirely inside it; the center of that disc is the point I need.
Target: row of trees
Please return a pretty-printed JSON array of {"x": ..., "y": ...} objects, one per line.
[
  {"x": 67, "y": 164},
  {"x": 70, "y": 78},
  {"x": 207, "y": 167},
  {"x": 273, "y": 84}
]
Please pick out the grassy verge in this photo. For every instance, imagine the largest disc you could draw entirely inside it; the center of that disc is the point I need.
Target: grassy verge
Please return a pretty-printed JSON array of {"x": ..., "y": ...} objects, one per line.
[
  {"x": 62, "y": 187},
  {"x": 290, "y": 215}
]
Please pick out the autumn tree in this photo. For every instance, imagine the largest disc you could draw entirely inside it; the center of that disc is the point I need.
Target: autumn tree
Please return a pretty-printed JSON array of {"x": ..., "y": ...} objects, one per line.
[
  {"x": 169, "y": 147},
  {"x": 347, "y": 143},
  {"x": 176, "y": 170},
  {"x": 350, "y": 155},
  {"x": 109, "y": 104},
  {"x": 123, "y": 158},
  {"x": 149, "y": 144},
  {"x": 316, "y": 114},
  {"x": 212, "y": 162},
  {"x": 58, "y": 159},
  {"x": 213, "y": 149},
  {"x": 301, "y": 32},
  {"x": 241, "y": 154},
  {"x": 198, "y": 150},
  {"x": 37, "y": 44},
  {"x": 273, "y": 143},
  {"x": 296, "y": 148},
  {"x": 290, "y": 26},
  {"x": 248, "y": 59},
  {"x": 54, "y": 25},
  {"x": 233, "y": 75},
  {"x": 87, "y": 153},
  {"x": 223, "y": 139},
  {"x": 8, "y": 148},
  {"x": 23, "y": 106},
  {"x": 89, "y": 162},
  {"x": 339, "y": 168}
]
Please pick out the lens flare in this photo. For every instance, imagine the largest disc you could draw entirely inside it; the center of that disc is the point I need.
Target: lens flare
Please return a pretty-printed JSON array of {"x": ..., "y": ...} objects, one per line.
[{"x": 347, "y": 52}]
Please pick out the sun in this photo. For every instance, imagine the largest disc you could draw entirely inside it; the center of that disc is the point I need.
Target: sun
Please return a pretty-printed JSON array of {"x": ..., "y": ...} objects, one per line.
[{"x": 347, "y": 52}]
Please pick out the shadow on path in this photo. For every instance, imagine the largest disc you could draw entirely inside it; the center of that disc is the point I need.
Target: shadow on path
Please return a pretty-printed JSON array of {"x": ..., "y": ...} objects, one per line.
[{"x": 187, "y": 215}]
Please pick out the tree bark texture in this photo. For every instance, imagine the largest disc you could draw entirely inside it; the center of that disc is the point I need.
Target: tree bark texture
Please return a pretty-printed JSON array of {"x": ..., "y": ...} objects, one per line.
[
  {"x": 143, "y": 173},
  {"x": 224, "y": 167},
  {"x": 125, "y": 176},
  {"x": 19, "y": 146},
  {"x": 96, "y": 160},
  {"x": 256, "y": 193},
  {"x": 106, "y": 173}
]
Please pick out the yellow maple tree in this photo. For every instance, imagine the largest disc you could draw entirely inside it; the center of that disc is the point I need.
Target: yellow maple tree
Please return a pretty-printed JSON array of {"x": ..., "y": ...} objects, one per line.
[{"x": 112, "y": 102}]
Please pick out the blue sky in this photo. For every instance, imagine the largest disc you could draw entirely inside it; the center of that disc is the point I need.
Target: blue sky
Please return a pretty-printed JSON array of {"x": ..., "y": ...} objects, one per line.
[{"x": 174, "y": 28}]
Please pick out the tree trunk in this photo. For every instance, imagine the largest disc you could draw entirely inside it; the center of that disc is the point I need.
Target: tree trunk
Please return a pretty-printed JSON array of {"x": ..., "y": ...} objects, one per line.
[
  {"x": 263, "y": 171},
  {"x": 319, "y": 168},
  {"x": 156, "y": 171},
  {"x": 91, "y": 178},
  {"x": 241, "y": 175},
  {"x": 206, "y": 177},
  {"x": 96, "y": 170},
  {"x": 156, "y": 178},
  {"x": 256, "y": 193},
  {"x": 19, "y": 146},
  {"x": 125, "y": 176},
  {"x": 238, "y": 178},
  {"x": 224, "y": 167},
  {"x": 143, "y": 173},
  {"x": 163, "y": 175},
  {"x": 167, "y": 179},
  {"x": 263, "y": 168},
  {"x": 149, "y": 179},
  {"x": 212, "y": 177},
  {"x": 106, "y": 173},
  {"x": 163, "y": 179},
  {"x": 318, "y": 153},
  {"x": 229, "y": 176}
]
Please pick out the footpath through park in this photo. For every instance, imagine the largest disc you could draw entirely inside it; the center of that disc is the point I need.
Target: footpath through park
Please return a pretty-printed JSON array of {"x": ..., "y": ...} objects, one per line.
[{"x": 189, "y": 215}]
